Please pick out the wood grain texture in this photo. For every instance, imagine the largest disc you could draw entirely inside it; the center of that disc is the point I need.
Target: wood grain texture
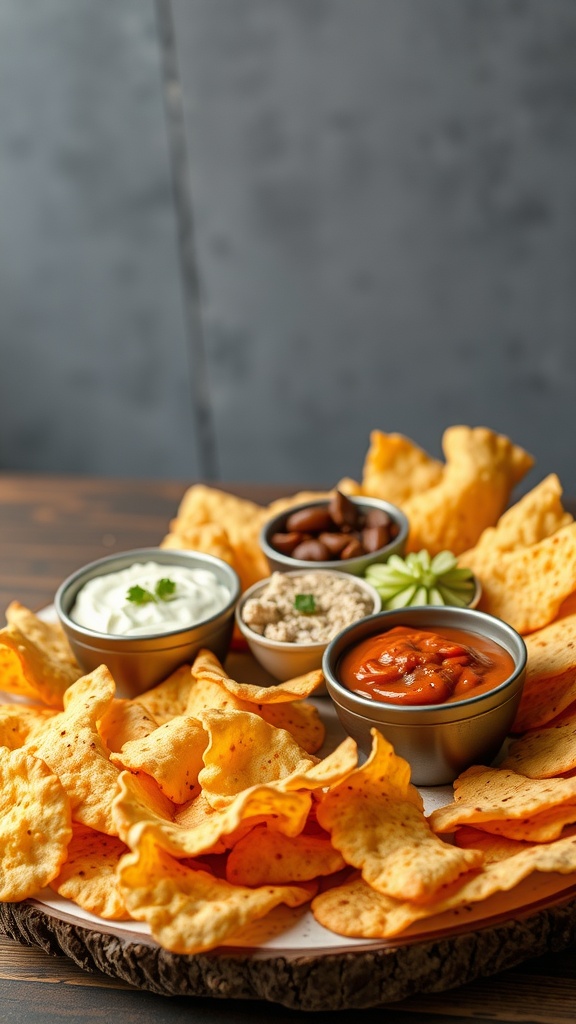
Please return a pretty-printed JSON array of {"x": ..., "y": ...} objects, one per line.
[{"x": 52, "y": 525}]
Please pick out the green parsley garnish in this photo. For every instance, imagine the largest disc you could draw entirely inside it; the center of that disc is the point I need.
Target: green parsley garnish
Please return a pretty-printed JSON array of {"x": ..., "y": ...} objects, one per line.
[
  {"x": 165, "y": 588},
  {"x": 305, "y": 603},
  {"x": 163, "y": 591},
  {"x": 138, "y": 595}
]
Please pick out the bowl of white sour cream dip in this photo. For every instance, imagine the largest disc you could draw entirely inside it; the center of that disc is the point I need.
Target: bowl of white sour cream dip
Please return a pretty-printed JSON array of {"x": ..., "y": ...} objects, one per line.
[{"x": 145, "y": 612}]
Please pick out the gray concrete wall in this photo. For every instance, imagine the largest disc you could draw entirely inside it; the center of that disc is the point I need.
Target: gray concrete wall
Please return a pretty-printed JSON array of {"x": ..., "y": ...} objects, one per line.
[
  {"x": 382, "y": 201},
  {"x": 93, "y": 350}
]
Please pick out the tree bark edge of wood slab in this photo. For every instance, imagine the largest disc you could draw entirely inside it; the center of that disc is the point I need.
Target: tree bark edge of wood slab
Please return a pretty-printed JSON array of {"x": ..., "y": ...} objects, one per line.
[{"x": 331, "y": 981}]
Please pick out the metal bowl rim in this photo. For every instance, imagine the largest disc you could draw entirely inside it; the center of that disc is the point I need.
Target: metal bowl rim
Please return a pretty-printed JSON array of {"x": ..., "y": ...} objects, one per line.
[
  {"x": 357, "y": 703},
  {"x": 272, "y": 524},
  {"x": 122, "y": 559}
]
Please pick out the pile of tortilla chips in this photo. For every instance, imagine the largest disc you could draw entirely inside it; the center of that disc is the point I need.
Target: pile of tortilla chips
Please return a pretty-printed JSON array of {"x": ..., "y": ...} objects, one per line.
[
  {"x": 202, "y": 807},
  {"x": 524, "y": 556}
]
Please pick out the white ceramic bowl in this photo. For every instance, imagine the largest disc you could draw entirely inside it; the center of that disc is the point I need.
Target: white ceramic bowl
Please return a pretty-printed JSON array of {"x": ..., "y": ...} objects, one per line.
[
  {"x": 284, "y": 659},
  {"x": 140, "y": 662}
]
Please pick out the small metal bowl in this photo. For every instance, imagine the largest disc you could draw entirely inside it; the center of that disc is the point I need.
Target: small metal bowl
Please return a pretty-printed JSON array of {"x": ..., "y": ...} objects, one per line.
[
  {"x": 140, "y": 662},
  {"x": 285, "y": 659},
  {"x": 439, "y": 741},
  {"x": 279, "y": 562}
]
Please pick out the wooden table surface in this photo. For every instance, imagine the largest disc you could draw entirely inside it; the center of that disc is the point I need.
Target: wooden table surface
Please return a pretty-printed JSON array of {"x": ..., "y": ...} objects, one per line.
[{"x": 50, "y": 526}]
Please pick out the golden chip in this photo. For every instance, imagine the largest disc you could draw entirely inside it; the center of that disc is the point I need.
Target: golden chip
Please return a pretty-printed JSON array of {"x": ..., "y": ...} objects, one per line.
[
  {"x": 205, "y": 504},
  {"x": 189, "y": 910},
  {"x": 355, "y": 909},
  {"x": 172, "y": 755},
  {"x": 536, "y": 516},
  {"x": 213, "y": 688},
  {"x": 18, "y": 722},
  {"x": 125, "y": 720},
  {"x": 545, "y": 752},
  {"x": 88, "y": 877},
  {"x": 527, "y": 587},
  {"x": 70, "y": 744},
  {"x": 396, "y": 469},
  {"x": 550, "y": 685},
  {"x": 35, "y": 659},
  {"x": 482, "y": 468},
  {"x": 245, "y": 751},
  {"x": 207, "y": 667},
  {"x": 211, "y": 538},
  {"x": 376, "y": 821},
  {"x": 35, "y": 825},
  {"x": 197, "y": 828},
  {"x": 541, "y": 827},
  {"x": 169, "y": 698},
  {"x": 493, "y": 794},
  {"x": 240, "y": 520},
  {"x": 494, "y": 847},
  {"x": 263, "y": 857}
]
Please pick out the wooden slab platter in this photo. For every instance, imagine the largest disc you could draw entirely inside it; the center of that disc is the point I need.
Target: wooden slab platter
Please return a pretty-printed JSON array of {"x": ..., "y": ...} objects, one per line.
[{"x": 336, "y": 980}]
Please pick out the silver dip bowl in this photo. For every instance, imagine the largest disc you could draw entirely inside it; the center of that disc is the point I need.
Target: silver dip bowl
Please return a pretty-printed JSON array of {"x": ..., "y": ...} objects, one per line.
[
  {"x": 282, "y": 562},
  {"x": 439, "y": 741},
  {"x": 140, "y": 662}
]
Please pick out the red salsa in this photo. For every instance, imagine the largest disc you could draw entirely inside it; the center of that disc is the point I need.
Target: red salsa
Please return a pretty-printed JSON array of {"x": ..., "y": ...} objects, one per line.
[{"x": 411, "y": 666}]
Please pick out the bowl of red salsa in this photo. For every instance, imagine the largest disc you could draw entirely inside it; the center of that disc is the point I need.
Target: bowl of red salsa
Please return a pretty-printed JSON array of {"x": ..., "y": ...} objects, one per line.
[{"x": 442, "y": 684}]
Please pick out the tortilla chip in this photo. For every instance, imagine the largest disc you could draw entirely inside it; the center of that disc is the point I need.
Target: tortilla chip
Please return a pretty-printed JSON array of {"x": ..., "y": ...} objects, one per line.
[
  {"x": 197, "y": 828},
  {"x": 245, "y": 751},
  {"x": 123, "y": 721},
  {"x": 35, "y": 825},
  {"x": 356, "y": 910},
  {"x": 213, "y": 688},
  {"x": 526, "y": 587},
  {"x": 396, "y": 469},
  {"x": 536, "y": 516},
  {"x": 190, "y": 911},
  {"x": 494, "y": 847},
  {"x": 88, "y": 876},
  {"x": 550, "y": 685},
  {"x": 544, "y": 827},
  {"x": 172, "y": 755},
  {"x": 35, "y": 659},
  {"x": 375, "y": 819},
  {"x": 210, "y": 538},
  {"x": 544, "y": 753},
  {"x": 207, "y": 666},
  {"x": 169, "y": 698},
  {"x": 481, "y": 470},
  {"x": 70, "y": 745},
  {"x": 238, "y": 522},
  {"x": 500, "y": 795},
  {"x": 18, "y": 722},
  {"x": 263, "y": 857}
]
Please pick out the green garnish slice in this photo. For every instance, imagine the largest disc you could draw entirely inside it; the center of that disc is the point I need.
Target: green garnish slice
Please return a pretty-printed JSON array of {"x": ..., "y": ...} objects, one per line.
[
  {"x": 163, "y": 591},
  {"x": 139, "y": 595},
  {"x": 305, "y": 603},
  {"x": 421, "y": 579}
]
